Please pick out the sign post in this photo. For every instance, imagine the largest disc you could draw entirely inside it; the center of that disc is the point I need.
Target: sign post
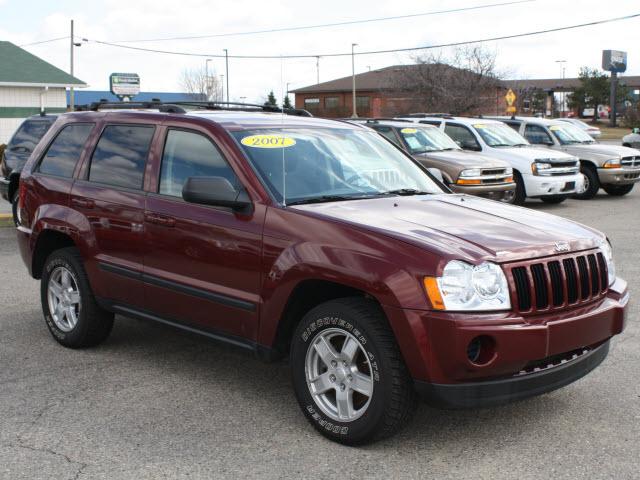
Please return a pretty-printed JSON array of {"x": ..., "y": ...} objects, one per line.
[
  {"x": 124, "y": 85},
  {"x": 614, "y": 61},
  {"x": 510, "y": 98}
]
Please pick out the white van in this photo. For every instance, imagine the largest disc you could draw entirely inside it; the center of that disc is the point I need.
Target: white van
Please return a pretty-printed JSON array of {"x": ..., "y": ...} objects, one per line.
[{"x": 551, "y": 176}]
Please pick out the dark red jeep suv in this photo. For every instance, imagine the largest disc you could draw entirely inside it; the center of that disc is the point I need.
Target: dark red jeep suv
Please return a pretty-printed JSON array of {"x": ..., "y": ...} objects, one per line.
[{"x": 320, "y": 241}]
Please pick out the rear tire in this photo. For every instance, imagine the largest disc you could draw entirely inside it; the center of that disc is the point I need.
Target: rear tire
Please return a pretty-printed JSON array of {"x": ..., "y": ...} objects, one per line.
[
  {"x": 71, "y": 312},
  {"x": 357, "y": 397},
  {"x": 591, "y": 181},
  {"x": 618, "y": 190},
  {"x": 553, "y": 199}
]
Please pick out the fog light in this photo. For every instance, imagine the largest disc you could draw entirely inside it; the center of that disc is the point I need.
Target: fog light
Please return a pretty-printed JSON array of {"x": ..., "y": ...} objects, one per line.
[{"x": 481, "y": 350}]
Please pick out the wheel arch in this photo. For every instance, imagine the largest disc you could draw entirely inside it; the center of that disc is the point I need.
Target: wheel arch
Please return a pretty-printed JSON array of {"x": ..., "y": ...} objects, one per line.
[{"x": 48, "y": 241}]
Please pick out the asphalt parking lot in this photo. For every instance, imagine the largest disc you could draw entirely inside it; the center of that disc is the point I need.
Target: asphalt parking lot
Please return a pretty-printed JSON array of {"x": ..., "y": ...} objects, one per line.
[{"x": 156, "y": 403}]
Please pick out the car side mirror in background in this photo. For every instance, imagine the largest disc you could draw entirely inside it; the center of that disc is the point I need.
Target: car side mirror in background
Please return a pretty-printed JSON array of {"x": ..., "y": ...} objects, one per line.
[
  {"x": 471, "y": 146},
  {"x": 216, "y": 191}
]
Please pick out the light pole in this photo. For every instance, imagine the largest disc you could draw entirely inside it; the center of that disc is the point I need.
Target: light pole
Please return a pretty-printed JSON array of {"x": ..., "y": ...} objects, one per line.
[
  {"x": 226, "y": 63},
  {"x": 563, "y": 64},
  {"x": 207, "y": 83},
  {"x": 72, "y": 99},
  {"x": 353, "y": 80},
  {"x": 318, "y": 69}
]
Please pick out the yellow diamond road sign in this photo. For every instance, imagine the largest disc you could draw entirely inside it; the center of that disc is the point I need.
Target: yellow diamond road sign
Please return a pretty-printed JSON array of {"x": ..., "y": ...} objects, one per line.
[{"x": 510, "y": 97}]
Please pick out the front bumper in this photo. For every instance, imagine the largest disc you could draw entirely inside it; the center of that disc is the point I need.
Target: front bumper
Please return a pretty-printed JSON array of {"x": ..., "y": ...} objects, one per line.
[
  {"x": 495, "y": 191},
  {"x": 511, "y": 389},
  {"x": 540, "y": 185},
  {"x": 4, "y": 188},
  {"x": 618, "y": 176}
]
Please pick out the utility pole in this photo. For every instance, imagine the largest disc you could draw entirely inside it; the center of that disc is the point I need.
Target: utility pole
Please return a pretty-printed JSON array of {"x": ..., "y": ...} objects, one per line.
[
  {"x": 317, "y": 69},
  {"x": 72, "y": 99},
  {"x": 353, "y": 80},
  {"x": 563, "y": 64},
  {"x": 207, "y": 84},
  {"x": 226, "y": 62}
]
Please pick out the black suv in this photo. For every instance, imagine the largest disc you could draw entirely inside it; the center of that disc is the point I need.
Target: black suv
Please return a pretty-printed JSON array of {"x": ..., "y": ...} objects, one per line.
[{"x": 17, "y": 153}]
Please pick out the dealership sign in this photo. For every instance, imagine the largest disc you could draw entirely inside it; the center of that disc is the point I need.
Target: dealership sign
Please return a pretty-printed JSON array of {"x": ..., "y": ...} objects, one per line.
[
  {"x": 124, "y": 84},
  {"x": 614, "y": 61}
]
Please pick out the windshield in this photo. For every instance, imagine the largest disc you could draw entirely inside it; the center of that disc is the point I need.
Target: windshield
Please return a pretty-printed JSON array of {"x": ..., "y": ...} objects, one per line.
[
  {"x": 499, "y": 135},
  {"x": 427, "y": 139},
  {"x": 29, "y": 134},
  {"x": 567, "y": 134},
  {"x": 304, "y": 165}
]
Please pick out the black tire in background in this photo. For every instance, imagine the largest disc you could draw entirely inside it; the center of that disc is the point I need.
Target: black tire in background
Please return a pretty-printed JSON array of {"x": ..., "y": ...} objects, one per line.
[
  {"x": 592, "y": 183},
  {"x": 618, "y": 190},
  {"x": 521, "y": 193},
  {"x": 393, "y": 399},
  {"x": 94, "y": 324}
]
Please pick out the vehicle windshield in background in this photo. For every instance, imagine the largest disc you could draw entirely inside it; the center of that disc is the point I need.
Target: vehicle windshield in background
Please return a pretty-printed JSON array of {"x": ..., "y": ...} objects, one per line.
[
  {"x": 500, "y": 135},
  {"x": 28, "y": 135},
  {"x": 421, "y": 140},
  {"x": 307, "y": 165},
  {"x": 568, "y": 134}
]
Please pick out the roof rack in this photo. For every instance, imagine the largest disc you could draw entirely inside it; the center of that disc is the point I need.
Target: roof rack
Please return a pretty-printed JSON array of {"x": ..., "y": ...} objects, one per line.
[{"x": 178, "y": 107}]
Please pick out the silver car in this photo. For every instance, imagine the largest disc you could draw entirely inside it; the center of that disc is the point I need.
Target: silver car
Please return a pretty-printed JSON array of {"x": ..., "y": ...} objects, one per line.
[
  {"x": 594, "y": 132},
  {"x": 633, "y": 139}
]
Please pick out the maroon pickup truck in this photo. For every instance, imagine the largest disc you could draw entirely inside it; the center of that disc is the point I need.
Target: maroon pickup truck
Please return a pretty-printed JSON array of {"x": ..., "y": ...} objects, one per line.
[{"x": 318, "y": 241}]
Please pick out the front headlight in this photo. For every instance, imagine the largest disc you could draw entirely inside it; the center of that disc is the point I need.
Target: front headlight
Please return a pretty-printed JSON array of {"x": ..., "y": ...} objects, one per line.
[
  {"x": 471, "y": 172},
  {"x": 613, "y": 163},
  {"x": 607, "y": 252},
  {"x": 469, "y": 288},
  {"x": 539, "y": 168}
]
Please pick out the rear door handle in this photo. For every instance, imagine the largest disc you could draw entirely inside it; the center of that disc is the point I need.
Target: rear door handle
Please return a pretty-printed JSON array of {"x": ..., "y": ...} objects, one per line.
[
  {"x": 160, "y": 220},
  {"x": 83, "y": 203}
]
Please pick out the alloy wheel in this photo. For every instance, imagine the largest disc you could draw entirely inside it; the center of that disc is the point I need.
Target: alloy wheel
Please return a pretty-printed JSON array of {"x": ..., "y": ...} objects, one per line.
[{"x": 63, "y": 297}]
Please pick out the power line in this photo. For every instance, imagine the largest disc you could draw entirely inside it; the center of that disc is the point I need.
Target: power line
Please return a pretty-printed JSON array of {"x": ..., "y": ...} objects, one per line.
[
  {"x": 372, "y": 52},
  {"x": 44, "y": 41},
  {"x": 325, "y": 25}
]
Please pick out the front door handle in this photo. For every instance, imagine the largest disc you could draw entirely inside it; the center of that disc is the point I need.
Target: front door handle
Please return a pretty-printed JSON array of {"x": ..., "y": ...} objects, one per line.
[
  {"x": 160, "y": 220},
  {"x": 83, "y": 203}
]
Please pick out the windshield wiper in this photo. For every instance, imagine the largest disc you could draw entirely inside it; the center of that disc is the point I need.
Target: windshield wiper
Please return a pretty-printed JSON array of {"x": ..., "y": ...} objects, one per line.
[
  {"x": 501, "y": 145},
  {"x": 405, "y": 192},
  {"x": 327, "y": 198}
]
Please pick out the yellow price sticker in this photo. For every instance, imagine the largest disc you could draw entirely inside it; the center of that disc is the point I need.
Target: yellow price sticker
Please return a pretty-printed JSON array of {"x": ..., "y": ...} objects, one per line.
[
  {"x": 555, "y": 127},
  {"x": 268, "y": 141},
  {"x": 408, "y": 130},
  {"x": 480, "y": 125}
]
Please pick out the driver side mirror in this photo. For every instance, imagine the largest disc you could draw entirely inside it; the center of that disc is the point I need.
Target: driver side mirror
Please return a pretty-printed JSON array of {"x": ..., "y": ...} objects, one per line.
[{"x": 218, "y": 192}]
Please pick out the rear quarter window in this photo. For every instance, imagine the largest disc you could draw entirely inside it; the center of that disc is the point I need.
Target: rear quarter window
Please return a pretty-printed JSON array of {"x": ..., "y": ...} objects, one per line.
[
  {"x": 64, "y": 152},
  {"x": 120, "y": 156}
]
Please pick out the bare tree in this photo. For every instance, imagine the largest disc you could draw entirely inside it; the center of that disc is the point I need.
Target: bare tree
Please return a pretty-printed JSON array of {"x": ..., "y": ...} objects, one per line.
[
  {"x": 462, "y": 83},
  {"x": 200, "y": 84}
]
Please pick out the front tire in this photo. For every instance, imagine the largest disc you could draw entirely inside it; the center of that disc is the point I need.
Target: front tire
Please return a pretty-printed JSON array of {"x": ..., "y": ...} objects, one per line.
[
  {"x": 348, "y": 374},
  {"x": 618, "y": 190},
  {"x": 591, "y": 183},
  {"x": 70, "y": 310},
  {"x": 520, "y": 194}
]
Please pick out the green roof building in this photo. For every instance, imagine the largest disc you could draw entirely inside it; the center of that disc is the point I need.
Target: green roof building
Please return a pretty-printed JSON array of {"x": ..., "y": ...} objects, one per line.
[{"x": 27, "y": 85}]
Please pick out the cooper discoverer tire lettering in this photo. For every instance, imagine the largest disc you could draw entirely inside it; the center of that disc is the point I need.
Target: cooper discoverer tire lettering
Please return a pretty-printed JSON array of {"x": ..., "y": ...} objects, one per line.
[
  {"x": 380, "y": 388},
  {"x": 70, "y": 310}
]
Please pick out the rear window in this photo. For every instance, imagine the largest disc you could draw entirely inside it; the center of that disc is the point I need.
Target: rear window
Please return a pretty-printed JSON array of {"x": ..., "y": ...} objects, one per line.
[
  {"x": 64, "y": 152},
  {"x": 120, "y": 156},
  {"x": 29, "y": 134}
]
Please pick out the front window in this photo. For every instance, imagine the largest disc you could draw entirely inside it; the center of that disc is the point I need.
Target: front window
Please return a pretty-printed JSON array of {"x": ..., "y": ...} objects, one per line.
[
  {"x": 305, "y": 165},
  {"x": 425, "y": 139},
  {"x": 499, "y": 135},
  {"x": 568, "y": 134}
]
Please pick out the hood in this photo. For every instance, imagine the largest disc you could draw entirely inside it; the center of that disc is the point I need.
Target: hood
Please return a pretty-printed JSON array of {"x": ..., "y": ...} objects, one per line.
[
  {"x": 462, "y": 158},
  {"x": 588, "y": 150},
  {"x": 462, "y": 226},
  {"x": 531, "y": 153}
]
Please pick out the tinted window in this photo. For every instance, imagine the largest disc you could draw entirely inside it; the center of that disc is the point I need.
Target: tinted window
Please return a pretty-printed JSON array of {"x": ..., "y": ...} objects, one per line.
[
  {"x": 537, "y": 135},
  {"x": 63, "y": 154},
  {"x": 462, "y": 135},
  {"x": 188, "y": 154},
  {"x": 120, "y": 155},
  {"x": 29, "y": 134},
  {"x": 388, "y": 133}
]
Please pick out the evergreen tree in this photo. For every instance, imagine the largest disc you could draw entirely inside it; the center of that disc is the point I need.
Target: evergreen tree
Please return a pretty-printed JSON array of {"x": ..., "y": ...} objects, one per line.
[
  {"x": 271, "y": 100},
  {"x": 287, "y": 102}
]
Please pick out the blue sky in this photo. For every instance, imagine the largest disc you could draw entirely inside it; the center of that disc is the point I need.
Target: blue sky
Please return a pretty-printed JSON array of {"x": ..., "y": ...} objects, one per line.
[{"x": 114, "y": 20}]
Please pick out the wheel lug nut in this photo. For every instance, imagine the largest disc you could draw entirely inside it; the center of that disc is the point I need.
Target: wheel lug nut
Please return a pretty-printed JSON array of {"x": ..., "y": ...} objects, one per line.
[
  {"x": 349, "y": 377},
  {"x": 344, "y": 364},
  {"x": 332, "y": 378},
  {"x": 342, "y": 387},
  {"x": 334, "y": 364}
]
